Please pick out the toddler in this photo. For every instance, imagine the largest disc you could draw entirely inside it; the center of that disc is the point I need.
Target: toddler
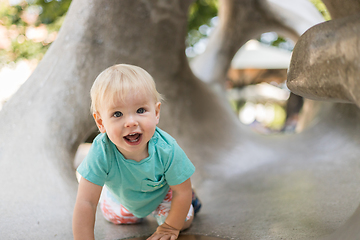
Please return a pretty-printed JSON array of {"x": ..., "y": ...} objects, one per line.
[{"x": 139, "y": 168}]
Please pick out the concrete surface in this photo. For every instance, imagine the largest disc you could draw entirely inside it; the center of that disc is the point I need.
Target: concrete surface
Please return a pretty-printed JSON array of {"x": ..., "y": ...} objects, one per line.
[
  {"x": 302, "y": 186},
  {"x": 186, "y": 237}
]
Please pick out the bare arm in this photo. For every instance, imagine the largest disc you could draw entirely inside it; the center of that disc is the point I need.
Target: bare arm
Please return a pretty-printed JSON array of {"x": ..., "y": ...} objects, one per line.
[
  {"x": 180, "y": 205},
  {"x": 85, "y": 208}
]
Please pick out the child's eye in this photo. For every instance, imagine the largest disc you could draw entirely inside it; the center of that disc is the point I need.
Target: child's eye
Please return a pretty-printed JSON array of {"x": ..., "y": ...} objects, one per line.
[
  {"x": 140, "y": 110},
  {"x": 117, "y": 114}
]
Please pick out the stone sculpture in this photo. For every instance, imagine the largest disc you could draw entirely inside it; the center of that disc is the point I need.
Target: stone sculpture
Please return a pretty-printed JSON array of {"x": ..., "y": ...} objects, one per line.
[{"x": 302, "y": 186}]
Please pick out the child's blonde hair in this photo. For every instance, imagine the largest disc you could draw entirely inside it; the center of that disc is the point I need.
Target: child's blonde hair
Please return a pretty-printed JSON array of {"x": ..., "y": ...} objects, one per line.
[{"x": 119, "y": 80}]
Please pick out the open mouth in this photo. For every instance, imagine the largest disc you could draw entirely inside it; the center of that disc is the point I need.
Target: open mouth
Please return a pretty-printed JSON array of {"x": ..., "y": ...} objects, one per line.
[{"x": 133, "y": 138}]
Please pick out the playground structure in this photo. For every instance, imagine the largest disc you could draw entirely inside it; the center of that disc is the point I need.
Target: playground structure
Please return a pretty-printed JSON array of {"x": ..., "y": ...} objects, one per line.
[{"x": 301, "y": 186}]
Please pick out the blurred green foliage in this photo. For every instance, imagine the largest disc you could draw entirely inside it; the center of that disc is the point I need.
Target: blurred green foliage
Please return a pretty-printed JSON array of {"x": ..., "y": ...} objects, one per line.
[
  {"x": 277, "y": 42},
  {"x": 23, "y": 23},
  {"x": 322, "y": 9},
  {"x": 200, "y": 14},
  {"x": 52, "y": 10}
]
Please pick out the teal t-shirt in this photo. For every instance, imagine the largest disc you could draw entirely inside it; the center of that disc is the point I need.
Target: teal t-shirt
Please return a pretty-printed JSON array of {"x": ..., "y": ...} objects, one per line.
[{"x": 139, "y": 186}]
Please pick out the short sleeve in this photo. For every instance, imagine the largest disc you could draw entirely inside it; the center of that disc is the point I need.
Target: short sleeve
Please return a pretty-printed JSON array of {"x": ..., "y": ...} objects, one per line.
[
  {"x": 95, "y": 167},
  {"x": 179, "y": 168}
]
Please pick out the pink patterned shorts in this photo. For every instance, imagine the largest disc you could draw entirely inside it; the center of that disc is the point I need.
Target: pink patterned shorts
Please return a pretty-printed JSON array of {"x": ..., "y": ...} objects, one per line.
[{"x": 116, "y": 213}]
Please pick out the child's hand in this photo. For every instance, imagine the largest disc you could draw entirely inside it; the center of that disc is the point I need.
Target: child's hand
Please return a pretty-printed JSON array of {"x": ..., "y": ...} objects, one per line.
[{"x": 165, "y": 232}]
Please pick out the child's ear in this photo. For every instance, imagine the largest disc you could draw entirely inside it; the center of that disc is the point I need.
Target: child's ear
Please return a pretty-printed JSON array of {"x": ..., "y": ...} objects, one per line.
[
  {"x": 99, "y": 122},
  {"x": 157, "y": 111}
]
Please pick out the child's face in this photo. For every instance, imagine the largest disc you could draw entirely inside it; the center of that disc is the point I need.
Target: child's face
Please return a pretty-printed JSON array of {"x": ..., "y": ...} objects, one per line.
[{"x": 130, "y": 124}]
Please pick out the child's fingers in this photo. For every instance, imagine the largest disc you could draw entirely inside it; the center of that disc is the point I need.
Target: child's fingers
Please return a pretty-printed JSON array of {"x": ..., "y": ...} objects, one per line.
[
  {"x": 168, "y": 237},
  {"x": 154, "y": 236},
  {"x": 165, "y": 232},
  {"x": 160, "y": 236}
]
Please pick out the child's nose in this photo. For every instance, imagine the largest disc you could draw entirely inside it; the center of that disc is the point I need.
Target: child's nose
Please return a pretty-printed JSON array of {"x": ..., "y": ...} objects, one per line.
[{"x": 131, "y": 122}]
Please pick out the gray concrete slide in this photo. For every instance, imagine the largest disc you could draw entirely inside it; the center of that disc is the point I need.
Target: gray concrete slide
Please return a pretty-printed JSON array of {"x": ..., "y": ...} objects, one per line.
[{"x": 299, "y": 186}]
